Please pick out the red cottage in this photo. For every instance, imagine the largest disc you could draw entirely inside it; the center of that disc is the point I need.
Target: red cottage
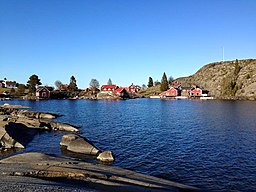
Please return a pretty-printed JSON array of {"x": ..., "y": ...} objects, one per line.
[
  {"x": 43, "y": 92},
  {"x": 172, "y": 92},
  {"x": 196, "y": 92},
  {"x": 121, "y": 92},
  {"x": 133, "y": 88}
]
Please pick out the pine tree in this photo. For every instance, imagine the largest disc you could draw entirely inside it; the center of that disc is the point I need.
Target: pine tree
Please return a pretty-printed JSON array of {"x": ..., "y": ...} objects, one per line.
[
  {"x": 109, "y": 82},
  {"x": 33, "y": 82},
  {"x": 237, "y": 68},
  {"x": 150, "y": 82},
  {"x": 164, "y": 83},
  {"x": 72, "y": 85}
]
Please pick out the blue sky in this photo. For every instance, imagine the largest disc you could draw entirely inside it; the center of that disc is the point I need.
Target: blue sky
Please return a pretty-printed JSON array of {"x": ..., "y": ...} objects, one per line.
[{"x": 125, "y": 40}]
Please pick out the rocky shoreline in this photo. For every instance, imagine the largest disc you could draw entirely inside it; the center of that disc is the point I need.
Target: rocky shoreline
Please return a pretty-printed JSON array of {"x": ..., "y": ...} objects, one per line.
[
  {"x": 61, "y": 174},
  {"x": 42, "y": 172}
]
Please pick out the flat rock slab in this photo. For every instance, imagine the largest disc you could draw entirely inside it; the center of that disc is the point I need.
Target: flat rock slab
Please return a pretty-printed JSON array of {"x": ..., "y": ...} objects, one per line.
[
  {"x": 80, "y": 174},
  {"x": 14, "y": 106}
]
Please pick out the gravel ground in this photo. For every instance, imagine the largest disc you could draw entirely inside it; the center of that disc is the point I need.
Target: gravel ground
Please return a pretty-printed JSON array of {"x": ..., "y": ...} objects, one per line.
[{"x": 27, "y": 184}]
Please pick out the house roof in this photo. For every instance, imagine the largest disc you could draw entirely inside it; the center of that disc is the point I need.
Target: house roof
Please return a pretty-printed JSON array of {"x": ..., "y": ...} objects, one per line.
[
  {"x": 10, "y": 83},
  {"x": 48, "y": 88},
  {"x": 171, "y": 89},
  {"x": 119, "y": 90},
  {"x": 195, "y": 88},
  {"x": 109, "y": 87}
]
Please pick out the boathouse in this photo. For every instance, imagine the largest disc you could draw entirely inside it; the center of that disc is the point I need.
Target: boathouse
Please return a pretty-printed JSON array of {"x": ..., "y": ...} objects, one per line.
[
  {"x": 172, "y": 92},
  {"x": 43, "y": 92},
  {"x": 121, "y": 92},
  {"x": 198, "y": 92}
]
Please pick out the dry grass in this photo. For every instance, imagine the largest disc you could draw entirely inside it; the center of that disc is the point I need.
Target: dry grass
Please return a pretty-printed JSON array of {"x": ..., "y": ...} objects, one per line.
[
  {"x": 150, "y": 91},
  {"x": 4, "y": 89}
]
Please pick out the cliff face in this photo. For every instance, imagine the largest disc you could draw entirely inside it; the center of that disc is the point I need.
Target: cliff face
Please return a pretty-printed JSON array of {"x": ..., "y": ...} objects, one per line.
[{"x": 229, "y": 79}]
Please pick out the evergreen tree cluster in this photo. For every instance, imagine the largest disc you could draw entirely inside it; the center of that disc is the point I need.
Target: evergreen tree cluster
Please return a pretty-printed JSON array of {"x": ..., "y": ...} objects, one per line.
[
  {"x": 32, "y": 83},
  {"x": 72, "y": 87},
  {"x": 150, "y": 82},
  {"x": 229, "y": 84},
  {"x": 164, "y": 84}
]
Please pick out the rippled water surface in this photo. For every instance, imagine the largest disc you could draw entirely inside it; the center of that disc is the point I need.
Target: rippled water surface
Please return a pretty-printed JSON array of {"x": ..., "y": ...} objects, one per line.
[{"x": 208, "y": 144}]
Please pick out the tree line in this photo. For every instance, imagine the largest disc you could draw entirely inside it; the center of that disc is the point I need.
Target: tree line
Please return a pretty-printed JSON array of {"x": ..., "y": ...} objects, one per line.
[
  {"x": 34, "y": 81},
  {"x": 164, "y": 84}
]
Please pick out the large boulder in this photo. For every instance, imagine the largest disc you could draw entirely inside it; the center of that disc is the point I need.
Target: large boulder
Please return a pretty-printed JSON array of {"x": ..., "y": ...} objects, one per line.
[
  {"x": 7, "y": 142},
  {"x": 57, "y": 126},
  {"x": 106, "y": 156},
  {"x": 78, "y": 144},
  {"x": 66, "y": 139}
]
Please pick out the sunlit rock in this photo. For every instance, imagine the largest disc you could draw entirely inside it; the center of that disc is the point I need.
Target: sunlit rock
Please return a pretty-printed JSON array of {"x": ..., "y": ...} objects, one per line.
[
  {"x": 66, "y": 139},
  {"x": 78, "y": 144},
  {"x": 106, "y": 156},
  {"x": 57, "y": 126}
]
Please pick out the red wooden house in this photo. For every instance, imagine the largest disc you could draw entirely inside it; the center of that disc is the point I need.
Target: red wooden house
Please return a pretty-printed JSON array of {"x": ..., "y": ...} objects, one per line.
[
  {"x": 172, "y": 92},
  {"x": 195, "y": 92},
  {"x": 133, "y": 88},
  {"x": 121, "y": 92},
  {"x": 198, "y": 92},
  {"x": 43, "y": 92}
]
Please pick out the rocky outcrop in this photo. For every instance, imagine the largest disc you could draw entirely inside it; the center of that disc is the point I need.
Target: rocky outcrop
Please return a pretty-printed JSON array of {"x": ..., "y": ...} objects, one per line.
[
  {"x": 7, "y": 142},
  {"x": 43, "y": 124},
  {"x": 106, "y": 156},
  {"x": 25, "y": 113},
  {"x": 44, "y": 168},
  {"x": 34, "y": 119},
  {"x": 18, "y": 127},
  {"x": 21, "y": 133},
  {"x": 58, "y": 126},
  {"x": 78, "y": 144},
  {"x": 230, "y": 79}
]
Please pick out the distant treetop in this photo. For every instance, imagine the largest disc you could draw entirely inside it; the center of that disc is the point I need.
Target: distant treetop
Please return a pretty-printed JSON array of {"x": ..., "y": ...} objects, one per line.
[{"x": 109, "y": 82}]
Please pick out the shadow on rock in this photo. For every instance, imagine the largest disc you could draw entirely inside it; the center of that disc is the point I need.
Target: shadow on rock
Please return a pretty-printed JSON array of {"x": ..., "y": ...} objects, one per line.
[
  {"x": 80, "y": 156},
  {"x": 8, "y": 152},
  {"x": 22, "y": 133}
]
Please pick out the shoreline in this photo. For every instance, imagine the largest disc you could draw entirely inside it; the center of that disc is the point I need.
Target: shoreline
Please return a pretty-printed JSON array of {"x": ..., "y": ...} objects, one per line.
[
  {"x": 64, "y": 174},
  {"x": 48, "y": 172}
]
